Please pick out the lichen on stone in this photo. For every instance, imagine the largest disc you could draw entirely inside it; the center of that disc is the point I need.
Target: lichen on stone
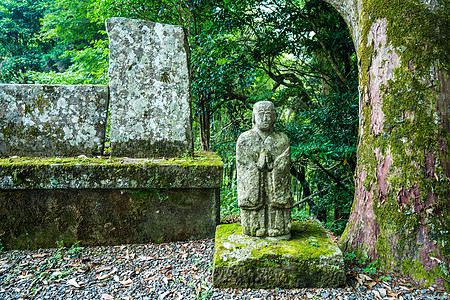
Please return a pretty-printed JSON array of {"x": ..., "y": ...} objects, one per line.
[
  {"x": 41, "y": 120},
  {"x": 149, "y": 83},
  {"x": 308, "y": 259}
]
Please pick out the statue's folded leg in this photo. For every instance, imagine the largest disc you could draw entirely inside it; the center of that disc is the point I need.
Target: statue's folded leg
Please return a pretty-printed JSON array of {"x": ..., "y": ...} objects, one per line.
[{"x": 253, "y": 222}]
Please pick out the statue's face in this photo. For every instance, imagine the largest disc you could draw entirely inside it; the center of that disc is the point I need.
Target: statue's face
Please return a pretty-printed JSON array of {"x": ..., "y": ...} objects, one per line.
[{"x": 264, "y": 117}]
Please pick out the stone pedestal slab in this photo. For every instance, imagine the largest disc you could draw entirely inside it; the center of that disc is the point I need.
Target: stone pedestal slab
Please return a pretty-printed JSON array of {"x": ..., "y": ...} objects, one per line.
[{"x": 308, "y": 259}]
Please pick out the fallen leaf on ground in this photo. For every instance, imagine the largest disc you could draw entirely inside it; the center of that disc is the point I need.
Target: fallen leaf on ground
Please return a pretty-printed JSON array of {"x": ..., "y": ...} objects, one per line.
[
  {"x": 142, "y": 257},
  {"x": 126, "y": 282},
  {"x": 395, "y": 295},
  {"x": 168, "y": 267},
  {"x": 39, "y": 255},
  {"x": 106, "y": 276},
  {"x": 56, "y": 273},
  {"x": 365, "y": 277},
  {"x": 107, "y": 297},
  {"x": 103, "y": 269},
  {"x": 73, "y": 282}
]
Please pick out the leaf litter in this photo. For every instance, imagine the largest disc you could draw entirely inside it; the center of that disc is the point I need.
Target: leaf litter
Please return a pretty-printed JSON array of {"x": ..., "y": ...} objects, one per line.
[{"x": 180, "y": 270}]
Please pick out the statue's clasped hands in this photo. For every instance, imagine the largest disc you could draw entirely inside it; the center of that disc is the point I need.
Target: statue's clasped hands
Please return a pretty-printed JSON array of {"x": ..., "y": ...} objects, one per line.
[{"x": 265, "y": 161}]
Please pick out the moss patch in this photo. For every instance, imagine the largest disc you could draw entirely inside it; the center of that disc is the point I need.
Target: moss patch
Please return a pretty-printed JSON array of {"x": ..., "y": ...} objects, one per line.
[
  {"x": 415, "y": 135},
  {"x": 202, "y": 171},
  {"x": 201, "y": 158},
  {"x": 308, "y": 259}
]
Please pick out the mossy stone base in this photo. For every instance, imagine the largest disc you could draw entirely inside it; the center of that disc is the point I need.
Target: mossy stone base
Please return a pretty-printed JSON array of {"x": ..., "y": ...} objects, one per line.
[
  {"x": 108, "y": 201},
  {"x": 31, "y": 219},
  {"x": 308, "y": 259}
]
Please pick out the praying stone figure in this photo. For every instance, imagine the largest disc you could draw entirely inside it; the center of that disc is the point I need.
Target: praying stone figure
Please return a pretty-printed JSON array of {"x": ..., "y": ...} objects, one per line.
[{"x": 263, "y": 177}]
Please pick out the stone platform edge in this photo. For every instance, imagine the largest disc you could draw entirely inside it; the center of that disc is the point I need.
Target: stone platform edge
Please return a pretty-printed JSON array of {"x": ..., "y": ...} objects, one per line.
[
  {"x": 204, "y": 170},
  {"x": 98, "y": 201},
  {"x": 309, "y": 259}
]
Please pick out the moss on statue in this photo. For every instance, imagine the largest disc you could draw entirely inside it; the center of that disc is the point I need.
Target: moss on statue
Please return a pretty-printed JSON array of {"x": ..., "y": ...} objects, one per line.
[{"x": 418, "y": 34}]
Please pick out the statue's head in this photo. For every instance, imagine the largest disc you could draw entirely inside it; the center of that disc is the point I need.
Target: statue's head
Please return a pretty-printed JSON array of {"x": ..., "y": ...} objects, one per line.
[{"x": 264, "y": 115}]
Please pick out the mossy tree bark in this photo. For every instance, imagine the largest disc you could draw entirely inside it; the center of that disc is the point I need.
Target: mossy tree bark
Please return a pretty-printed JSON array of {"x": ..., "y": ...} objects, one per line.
[{"x": 401, "y": 210}]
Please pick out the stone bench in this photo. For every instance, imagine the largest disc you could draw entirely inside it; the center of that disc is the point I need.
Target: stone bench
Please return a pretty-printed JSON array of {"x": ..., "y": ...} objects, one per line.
[
  {"x": 56, "y": 184},
  {"x": 108, "y": 201}
]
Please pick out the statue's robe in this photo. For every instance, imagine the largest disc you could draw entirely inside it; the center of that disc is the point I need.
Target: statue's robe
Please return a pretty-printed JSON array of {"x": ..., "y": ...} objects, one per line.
[{"x": 264, "y": 183}]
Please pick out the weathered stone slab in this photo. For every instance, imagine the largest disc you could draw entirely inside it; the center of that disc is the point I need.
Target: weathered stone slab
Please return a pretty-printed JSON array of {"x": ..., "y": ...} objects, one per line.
[
  {"x": 38, "y": 218},
  {"x": 101, "y": 201},
  {"x": 308, "y": 259},
  {"x": 52, "y": 120},
  {"x": 204, "y": 171},
  {"x": 150, "y": 89}
]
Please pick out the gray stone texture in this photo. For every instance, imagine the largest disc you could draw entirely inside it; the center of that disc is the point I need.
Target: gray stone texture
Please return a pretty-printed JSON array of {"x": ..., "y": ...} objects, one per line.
[
  {"x": 38, "y": 218},
  {"x": 108, "y": 201},
  {"x": 263, "y": 176},
  {"x": 204, "y": 171},
  {"x": 52, "y": 120},
  {"x": 308, "y": 260},
  {"x": 149, "y": 83}
]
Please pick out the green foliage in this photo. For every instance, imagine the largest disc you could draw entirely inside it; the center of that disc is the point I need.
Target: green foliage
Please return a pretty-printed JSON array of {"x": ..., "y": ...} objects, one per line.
[
  {"x": 368, "y": 266},
  {"x": 299, "y": 214},
  {"x": 20, "y": 49},
  {"x": 298, "y": 54},
  {"x": 228, "y": 203},
  {"x": 89, "y": 66},
  {"x": 68, "y": 21}
]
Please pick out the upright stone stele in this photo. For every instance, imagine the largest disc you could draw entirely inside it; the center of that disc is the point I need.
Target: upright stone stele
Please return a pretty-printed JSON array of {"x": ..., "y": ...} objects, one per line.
[
  {"x": 149, "y": 84},
  {"x": 263, "y": 158},
  {"x": 267, "y": 250}
]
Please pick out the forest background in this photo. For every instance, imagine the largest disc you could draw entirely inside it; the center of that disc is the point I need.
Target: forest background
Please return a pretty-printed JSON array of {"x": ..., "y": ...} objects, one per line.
[{"x": 296, "y": 53}]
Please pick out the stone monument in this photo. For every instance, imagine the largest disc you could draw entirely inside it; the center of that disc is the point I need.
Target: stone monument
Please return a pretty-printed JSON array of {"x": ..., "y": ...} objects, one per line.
[
  {"x": 52, "y": 120},
  {"x": 267, "y": 249},
  {"x": 263, "y": 158},
  {"x": 149, "y": 83},
  {"x": 56, "y": 183}
]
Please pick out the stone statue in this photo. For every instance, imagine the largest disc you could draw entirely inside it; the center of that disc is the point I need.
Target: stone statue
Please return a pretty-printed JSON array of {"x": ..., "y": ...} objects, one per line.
[{"x": 263, "y": 176}]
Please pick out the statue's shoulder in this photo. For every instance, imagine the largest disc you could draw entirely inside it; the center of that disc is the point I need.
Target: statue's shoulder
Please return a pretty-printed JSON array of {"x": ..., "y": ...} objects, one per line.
[
  {"x": 280, "y": 136},
  {"x": 246, "y": 136}
]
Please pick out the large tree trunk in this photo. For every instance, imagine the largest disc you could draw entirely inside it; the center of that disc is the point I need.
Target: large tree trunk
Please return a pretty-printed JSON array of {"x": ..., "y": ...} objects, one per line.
[{"x": 401, "y": 210}]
